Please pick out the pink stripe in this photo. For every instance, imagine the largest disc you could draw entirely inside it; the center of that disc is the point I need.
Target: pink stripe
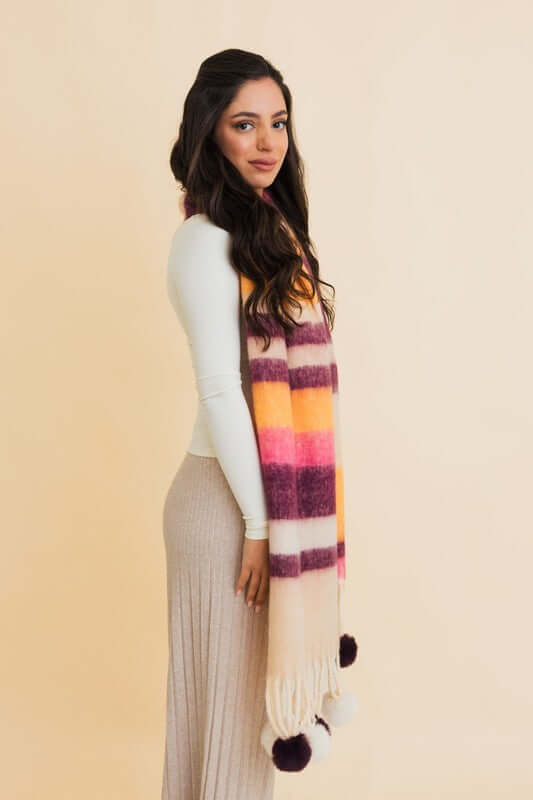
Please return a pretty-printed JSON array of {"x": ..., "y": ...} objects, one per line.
[
  {"x": 341, "y": 567},
  {"x": 315, "y": 447},
  {"x": 279, "y": 446},
  {"x": 276, "y": 445}
]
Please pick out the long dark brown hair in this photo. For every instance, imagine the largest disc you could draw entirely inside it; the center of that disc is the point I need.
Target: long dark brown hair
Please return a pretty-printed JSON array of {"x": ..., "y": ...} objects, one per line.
[{"x": 262, "y": 248}]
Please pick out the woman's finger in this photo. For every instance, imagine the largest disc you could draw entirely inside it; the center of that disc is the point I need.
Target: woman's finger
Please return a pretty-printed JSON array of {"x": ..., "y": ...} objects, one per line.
[
  {"x": 243, "y": 577},
  {"x": 254, "y": 585},
  {"x": 263, "y": 591}
]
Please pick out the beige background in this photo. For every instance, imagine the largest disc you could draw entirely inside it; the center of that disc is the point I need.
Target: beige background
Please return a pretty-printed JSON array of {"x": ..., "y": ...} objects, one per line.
[{"x": 414, "y": 120}]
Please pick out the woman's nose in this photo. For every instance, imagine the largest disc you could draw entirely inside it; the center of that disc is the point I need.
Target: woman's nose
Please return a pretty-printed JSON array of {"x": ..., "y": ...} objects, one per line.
[{"x": 265, "y": 139}]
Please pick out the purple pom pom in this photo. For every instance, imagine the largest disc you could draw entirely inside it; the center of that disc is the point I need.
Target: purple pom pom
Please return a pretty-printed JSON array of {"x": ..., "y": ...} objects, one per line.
[
  {"x": 347, "y": 650},
  {"x": 292, "y": 754}
]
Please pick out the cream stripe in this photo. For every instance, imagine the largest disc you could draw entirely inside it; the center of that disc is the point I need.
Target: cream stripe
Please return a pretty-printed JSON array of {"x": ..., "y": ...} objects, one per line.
[
  {"x": 288, "y": 536},
  {"x": 303, "y": 355}
]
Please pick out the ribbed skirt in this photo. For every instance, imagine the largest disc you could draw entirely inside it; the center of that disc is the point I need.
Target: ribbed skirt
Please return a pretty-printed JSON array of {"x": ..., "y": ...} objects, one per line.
[{"x": 217, "y": 646}]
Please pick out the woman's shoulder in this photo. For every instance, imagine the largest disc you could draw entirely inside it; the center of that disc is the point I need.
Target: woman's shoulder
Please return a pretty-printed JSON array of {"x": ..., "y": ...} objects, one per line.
[
  {"x": 196, "y": 233},
  {"x": 200, "y": 247}
]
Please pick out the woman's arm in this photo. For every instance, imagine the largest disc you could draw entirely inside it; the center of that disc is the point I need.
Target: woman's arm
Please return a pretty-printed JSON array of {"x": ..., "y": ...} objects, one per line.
[{"x": 206, "y": 288}]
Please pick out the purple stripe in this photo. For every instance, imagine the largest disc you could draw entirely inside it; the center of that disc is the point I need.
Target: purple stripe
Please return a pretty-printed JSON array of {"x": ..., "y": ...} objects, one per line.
[
  {"x": 268, "y": 369},
  {"x": 293, "y": 564},
  {"x": 316, "y": 490},
  {"x": 334, "y": 376},
  {"x": 280, "y": 491},
  {"x": 299, "y": 493},
  {"x": 302, "y": 333},
  {"x": 340, "y": 549},
  {"x": 307, "y": 333},
  {"x": 310, "y": 377},
  {"x": 275, "y": 369}
]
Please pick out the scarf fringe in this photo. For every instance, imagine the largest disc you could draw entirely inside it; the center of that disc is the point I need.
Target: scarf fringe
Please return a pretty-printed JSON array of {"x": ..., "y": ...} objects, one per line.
[{"x": 292, "y": 703}]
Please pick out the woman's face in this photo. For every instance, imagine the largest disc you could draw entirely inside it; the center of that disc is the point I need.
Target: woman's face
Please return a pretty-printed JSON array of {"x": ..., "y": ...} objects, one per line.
[{"x": 253, "y": 128}]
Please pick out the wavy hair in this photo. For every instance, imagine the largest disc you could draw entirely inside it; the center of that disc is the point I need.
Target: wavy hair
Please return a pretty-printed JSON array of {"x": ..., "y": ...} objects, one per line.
[{"x": 262, "y": 245}]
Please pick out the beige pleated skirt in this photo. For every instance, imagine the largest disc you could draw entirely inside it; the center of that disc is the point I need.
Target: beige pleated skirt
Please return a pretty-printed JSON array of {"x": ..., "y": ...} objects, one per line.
[{"x": 217, "y": 646}]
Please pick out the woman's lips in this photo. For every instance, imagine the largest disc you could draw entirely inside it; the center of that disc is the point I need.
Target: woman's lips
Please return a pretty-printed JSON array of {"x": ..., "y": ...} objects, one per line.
[{"x": 265, "y": 167}]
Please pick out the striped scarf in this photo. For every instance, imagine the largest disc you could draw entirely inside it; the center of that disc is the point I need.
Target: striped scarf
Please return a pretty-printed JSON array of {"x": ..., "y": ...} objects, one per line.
[{"x": 295, "y": 401}]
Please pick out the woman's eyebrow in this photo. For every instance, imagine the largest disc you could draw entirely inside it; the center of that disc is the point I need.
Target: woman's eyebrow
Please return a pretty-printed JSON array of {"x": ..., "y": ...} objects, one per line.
[{"x": 252, "y": 114}]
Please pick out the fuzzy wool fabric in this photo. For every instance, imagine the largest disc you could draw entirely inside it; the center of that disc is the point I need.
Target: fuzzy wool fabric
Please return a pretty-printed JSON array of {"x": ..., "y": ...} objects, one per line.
[{"x": 295, "y": 398}]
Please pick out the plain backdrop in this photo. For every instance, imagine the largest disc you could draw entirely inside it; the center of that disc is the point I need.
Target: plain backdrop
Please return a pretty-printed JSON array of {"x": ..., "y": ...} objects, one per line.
[{"x": 415, "y": 124}]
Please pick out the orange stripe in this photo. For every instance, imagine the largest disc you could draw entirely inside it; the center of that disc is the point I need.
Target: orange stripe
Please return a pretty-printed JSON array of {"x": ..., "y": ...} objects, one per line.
[
  {"x": 247, "y": 285},
  {"x": 311, "y": 409},
  {"x": 272, "y": 404}
]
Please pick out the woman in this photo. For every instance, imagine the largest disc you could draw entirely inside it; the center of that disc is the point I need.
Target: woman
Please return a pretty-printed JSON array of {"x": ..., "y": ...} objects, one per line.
[{"x": 235, "y": 141}]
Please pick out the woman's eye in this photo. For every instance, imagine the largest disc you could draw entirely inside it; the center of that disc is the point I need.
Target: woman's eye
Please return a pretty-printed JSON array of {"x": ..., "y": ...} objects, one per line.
[{"x": 238, "y": 125}]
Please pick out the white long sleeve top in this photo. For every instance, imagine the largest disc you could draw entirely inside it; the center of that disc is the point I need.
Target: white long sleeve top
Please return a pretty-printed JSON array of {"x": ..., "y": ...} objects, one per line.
[{"x": 204, "y": 290}]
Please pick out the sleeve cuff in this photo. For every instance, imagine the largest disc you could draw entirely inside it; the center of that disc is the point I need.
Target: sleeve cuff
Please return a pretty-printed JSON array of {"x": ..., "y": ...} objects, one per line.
[{"x": 255, "y": 529}]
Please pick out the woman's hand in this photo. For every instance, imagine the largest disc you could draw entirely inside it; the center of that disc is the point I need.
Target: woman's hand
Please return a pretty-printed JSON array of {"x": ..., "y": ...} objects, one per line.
[{"x": 255, "y": 566}]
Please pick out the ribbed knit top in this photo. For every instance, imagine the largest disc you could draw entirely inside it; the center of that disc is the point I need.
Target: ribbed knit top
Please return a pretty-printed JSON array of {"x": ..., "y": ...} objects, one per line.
[{"x": 204, "y": 290}]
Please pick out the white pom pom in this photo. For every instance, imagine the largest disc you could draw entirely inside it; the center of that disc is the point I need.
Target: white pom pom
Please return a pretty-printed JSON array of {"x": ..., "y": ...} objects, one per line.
[
  {"x": 268, "y": 737},
  {"x": 339, "y": 710},
  {"x": 320, "y": 741}
]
